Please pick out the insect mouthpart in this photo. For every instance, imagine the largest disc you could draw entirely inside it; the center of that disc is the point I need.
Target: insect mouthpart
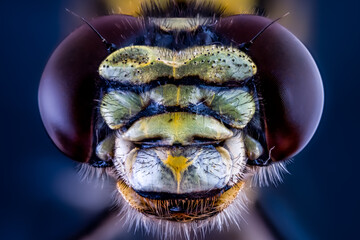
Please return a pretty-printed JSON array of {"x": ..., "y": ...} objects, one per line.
[{"x": 178, "y": 208}]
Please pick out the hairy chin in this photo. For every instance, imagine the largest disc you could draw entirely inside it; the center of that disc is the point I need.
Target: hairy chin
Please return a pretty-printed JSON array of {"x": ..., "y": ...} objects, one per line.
[
  {"x": 164, "y": 229},
  {"x": 234, "y": 214}
]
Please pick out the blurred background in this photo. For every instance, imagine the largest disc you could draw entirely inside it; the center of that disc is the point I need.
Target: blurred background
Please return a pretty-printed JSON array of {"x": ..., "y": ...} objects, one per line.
[{"x": 42, "y": 196}]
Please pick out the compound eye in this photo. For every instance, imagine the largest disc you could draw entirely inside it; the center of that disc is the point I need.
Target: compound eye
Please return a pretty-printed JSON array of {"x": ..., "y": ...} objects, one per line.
[
  {"x": 288, "y": 82},
  {"x": 68, "y": 88}
]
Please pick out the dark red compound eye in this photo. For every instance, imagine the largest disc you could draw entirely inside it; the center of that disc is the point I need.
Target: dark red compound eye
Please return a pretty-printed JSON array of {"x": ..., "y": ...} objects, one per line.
[
  {"x": 289, "y": 84},
  {"x": 67, "y": 89}
]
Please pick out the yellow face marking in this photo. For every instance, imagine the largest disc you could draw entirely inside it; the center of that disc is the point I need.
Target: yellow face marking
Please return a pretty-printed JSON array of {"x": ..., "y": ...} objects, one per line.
[
  {"x": 177, "y": 125},
  {"x": 178, "y": 96},
  {"x": 174, "y": 66},
  {"x": 178, "y": 165}
]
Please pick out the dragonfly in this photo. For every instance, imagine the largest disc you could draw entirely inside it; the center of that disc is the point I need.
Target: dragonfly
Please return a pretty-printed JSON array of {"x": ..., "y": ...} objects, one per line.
[{"x": 185, "y": 104}]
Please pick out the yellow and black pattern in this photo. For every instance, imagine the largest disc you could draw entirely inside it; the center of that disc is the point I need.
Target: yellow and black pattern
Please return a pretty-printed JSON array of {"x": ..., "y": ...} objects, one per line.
[
  {"x": 176, "y": 104},
  {"x": 142, "y": 64}
]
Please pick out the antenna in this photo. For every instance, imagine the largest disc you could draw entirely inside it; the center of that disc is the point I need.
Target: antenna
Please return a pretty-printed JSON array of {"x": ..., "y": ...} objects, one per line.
[
  {"x": 109, "y": 46},
  {"x": 247, "y": 45}
]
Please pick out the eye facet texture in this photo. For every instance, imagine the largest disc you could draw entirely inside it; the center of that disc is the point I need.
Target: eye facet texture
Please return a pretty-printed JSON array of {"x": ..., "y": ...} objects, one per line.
[{"x": 67, "y": 91}]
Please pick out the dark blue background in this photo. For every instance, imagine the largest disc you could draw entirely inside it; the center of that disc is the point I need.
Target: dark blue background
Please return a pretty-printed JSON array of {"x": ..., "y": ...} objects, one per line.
[{"x": 41, "y": 197}]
